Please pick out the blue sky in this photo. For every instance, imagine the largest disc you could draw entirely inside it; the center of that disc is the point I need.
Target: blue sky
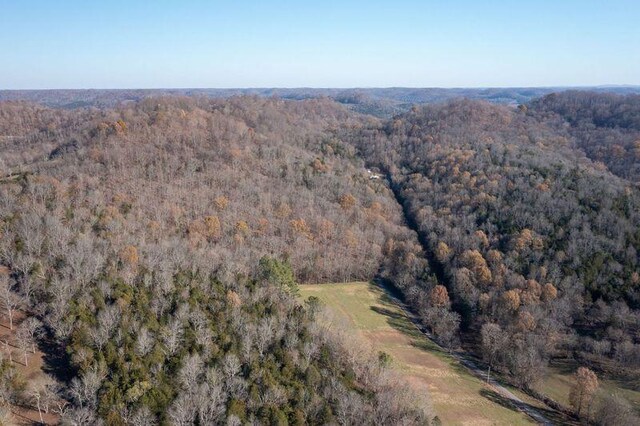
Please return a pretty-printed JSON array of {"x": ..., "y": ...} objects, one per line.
[{"x": 152, "y": 44}]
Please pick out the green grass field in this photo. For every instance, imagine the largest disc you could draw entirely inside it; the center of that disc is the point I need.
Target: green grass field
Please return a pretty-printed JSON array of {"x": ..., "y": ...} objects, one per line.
[
  {"x": 457, "y": 397},
  {"x": 558, "y": 382}
]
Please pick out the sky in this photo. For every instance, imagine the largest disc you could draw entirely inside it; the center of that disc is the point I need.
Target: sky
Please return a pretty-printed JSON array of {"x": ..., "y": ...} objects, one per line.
[{"x": 307, "y": 43}]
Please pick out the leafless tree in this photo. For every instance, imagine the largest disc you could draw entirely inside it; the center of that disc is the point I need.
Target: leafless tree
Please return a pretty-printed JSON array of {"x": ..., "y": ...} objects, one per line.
[
  {"x": 84, "y": 390},
  {"x": 108, "y": 319},
  {"x": 143, "y": 417},
  {"x": 182, "y": 411},
  {"x": 33, "y": 329},
  {"x": 144, "y": 341},
  {"x": 172, "y": 336},
  {"x": 10, "y": 300}
]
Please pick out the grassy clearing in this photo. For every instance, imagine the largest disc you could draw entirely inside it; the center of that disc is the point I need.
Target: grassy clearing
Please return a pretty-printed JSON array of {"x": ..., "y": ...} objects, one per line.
[
  {"x": 557, "y": 385},
  {"x": 457, "y": 396}
]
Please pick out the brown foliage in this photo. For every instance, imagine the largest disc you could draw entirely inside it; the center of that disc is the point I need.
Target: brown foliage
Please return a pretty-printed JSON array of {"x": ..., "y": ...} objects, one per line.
[
  {"x": 129, "y": 256},
  {"x": 549, "y": 292},
  {"x": 526, "y": 321},
  {"x": 473, "y": 260},
  {"x": 212, "y": 227},
  {"x": 221, "y": 202},
  {"x": 443, "y": 252},
  {"x": 233, "y": 298},
  {"x": 242, "y": 228},
  {"x": 347, "y": 201},
  {"x": 438, "y": 296},
  {"x": 583, "y": 391},
  {"x": 510, "y": 299}
]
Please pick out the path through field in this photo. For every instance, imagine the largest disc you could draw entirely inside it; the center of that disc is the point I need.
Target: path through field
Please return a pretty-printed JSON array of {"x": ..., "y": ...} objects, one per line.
[
  {"x": 458, "y": 395},
  {"x": 532, "y": 412}
]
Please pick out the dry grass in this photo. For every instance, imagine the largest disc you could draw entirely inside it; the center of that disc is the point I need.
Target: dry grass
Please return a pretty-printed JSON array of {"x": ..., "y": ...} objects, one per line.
[
  {"x": 457, "y": 396},
  {"x": 558, "y": 383}
]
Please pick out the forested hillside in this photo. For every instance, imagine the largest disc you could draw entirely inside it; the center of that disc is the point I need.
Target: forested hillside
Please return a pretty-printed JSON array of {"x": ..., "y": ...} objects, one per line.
[
  {"x": 156, "y": 248},
  {"x": 605, "y": 126},
  {"x": 159, "y": 244},
  {"x": 536, "y": 244}
]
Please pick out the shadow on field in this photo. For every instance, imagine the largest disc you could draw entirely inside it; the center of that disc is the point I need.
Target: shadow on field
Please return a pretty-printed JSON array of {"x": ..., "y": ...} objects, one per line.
[
  {"x": 624, "y": 378},
  {"x": 553, "y": 416},
  {"x": 563, "y": 366},
  {"x": 400, "y": 322}
]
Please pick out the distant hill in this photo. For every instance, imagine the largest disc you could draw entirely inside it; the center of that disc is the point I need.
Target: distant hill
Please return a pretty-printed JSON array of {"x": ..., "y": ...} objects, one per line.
[
  {"x": 382, "y": 102},
  {"x": 606, "y": 126}
]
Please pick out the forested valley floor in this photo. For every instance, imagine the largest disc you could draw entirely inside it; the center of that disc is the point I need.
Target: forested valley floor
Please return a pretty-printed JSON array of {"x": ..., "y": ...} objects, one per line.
[{"x": 156, "y": 248}]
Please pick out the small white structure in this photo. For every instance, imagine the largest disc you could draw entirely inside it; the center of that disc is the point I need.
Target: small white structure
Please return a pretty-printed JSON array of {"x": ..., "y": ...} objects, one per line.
[{"x": 373, "y": 175}]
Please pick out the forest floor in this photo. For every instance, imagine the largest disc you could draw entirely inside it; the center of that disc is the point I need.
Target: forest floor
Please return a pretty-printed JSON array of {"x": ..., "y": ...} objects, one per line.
[
  {"x": 32, "y": 373},
  {"x": 458, "y": 396}
]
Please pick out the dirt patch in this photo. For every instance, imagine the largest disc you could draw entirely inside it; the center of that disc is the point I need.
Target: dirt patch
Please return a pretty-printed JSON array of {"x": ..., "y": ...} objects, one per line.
[{"x": 32, "y": 370}]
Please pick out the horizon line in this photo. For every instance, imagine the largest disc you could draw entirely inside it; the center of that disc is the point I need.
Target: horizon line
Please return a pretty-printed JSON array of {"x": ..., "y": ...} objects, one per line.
[{"x": 596, "y": 86}]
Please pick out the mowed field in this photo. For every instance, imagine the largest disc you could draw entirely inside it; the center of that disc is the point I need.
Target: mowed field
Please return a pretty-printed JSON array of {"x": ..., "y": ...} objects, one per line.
[
  {"x": 458, "y": 397},
  {"x": 558, "y": 382}
]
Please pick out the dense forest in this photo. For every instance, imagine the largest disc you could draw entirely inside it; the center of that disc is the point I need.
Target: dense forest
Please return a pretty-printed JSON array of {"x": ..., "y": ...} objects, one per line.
[
  {"x": 157, "y": 245},
  {"x": 536, "y": 244},
  {"x": 160, "y": 245},
  {"x": 605, "y": 126}
]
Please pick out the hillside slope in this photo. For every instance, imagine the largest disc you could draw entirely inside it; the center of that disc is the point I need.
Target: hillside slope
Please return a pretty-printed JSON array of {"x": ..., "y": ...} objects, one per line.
[
  {"x": 160, "y": 244},
  {"x": 536, "y": 244},
  {"x": 605, "y": 126}
]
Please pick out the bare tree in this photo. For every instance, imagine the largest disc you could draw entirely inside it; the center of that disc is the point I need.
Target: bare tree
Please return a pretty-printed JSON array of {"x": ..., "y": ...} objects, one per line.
[
  {"x": 144, "y": 342},
  {"x": 84, "y": 390},
  {"x": 10, "y": 300},
  {"x": 37, "y": 394},
  {"x": 493, "y": 339},
  {"x": 33, "y": 329},
  {"x": 209, "y": 401},
  {"x": 230, "y": 366},
  {"x": 264, "y": 334},
  {"x": 108, "y": 319},
  {"x": 614, "y": 410},
  {"x": 79, "y": 417},
  {"x": 24, "y": 341},
  {"x": 172, "y": 336},
  {"x": 190, "y": 372},
  {"x": 143, "y": 417},
  {"x": 182, "y": 411}
]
